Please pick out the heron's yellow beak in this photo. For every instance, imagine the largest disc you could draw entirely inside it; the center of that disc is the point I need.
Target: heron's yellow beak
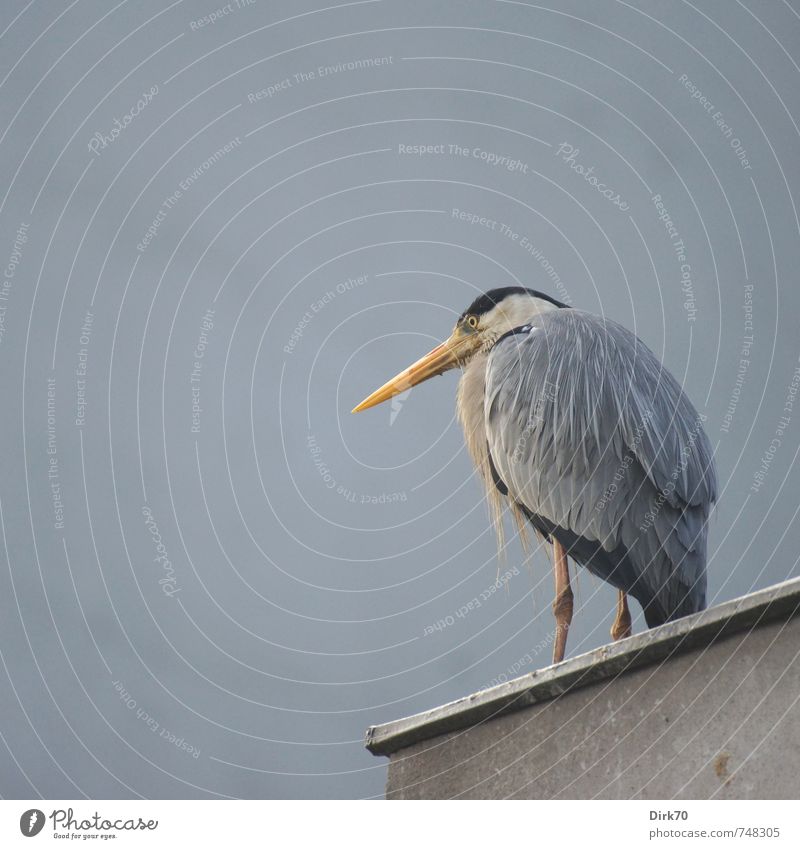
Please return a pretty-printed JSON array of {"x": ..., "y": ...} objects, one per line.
[{"x": 443, "y": 357}]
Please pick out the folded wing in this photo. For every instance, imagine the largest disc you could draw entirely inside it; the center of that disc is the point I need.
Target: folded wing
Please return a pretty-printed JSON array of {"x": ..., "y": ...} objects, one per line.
[{"x": 597, "y": 443}]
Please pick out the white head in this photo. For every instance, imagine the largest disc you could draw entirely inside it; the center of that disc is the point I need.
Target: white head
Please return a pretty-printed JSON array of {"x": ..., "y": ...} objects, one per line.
[{"x": 484, "y": 321}]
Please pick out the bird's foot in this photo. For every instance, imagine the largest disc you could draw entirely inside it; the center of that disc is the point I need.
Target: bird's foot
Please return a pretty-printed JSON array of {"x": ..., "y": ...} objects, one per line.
[{"x": 622, "y": 624}]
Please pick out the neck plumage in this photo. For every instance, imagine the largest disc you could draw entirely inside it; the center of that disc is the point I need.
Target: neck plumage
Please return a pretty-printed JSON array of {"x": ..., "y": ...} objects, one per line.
[{"x": 470, "y": 396}]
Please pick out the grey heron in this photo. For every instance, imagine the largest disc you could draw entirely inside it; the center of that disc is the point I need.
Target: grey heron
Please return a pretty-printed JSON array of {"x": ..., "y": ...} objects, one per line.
[{"x": 576, "y": 426}]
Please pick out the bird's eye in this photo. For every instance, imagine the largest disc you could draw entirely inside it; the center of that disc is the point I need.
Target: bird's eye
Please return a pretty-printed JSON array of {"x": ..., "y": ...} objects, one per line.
[{"x": 472, "y": 321}]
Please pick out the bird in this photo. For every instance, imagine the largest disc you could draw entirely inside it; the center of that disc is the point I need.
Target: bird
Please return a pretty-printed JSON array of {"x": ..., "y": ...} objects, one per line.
[{"x": 578, "y": 429}]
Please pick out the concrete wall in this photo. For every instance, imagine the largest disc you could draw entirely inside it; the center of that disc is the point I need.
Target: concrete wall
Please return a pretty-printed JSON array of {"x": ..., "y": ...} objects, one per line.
[{"x": 705, "y": 707}]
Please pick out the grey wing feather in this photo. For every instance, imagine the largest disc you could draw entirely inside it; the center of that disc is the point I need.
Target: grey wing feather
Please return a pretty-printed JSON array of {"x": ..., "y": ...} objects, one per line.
[{"x": 595, "y": 439}]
